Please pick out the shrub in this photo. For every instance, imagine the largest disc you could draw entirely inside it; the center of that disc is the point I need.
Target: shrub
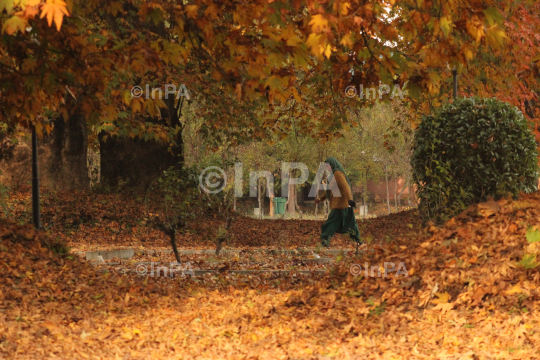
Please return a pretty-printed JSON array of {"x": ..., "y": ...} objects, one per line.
[
  {"x": 173, "y": 200},
  {"x": 471, "y": 150}
]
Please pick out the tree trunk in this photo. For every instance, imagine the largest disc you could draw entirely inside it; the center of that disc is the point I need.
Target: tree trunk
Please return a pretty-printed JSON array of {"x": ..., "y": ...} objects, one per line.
[
  {"x": 292, "y": 195},
  {"x": 410, "y": 193},
  {"x": 69, "y": 153},
  {"x": 316, "y": 196},
  {"x": 135, "y": 163},
  {"x": 296, "y": 203},
  {"x": 260, "y": 203},
  {"x": 272, "y": 211},
  {"x": 221, "y": 239},
  {"x": 172, "y": 236},
  {"x": 395, "y": 191},
  {"x": 387, "y": 191},
  {"x": 364, "y": 193},
  {"x": 405, "y": 185}
]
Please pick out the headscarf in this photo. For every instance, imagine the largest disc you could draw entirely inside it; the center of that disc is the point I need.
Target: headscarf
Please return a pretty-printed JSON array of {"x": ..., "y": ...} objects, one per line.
[{"x": 336, "y": 166}]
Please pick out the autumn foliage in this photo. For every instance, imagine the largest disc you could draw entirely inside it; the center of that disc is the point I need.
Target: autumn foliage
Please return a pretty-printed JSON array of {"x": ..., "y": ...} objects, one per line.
[
  {"x": 259, "y": 70},
  {"x": 467, "y": 291},
  {"x": 288, "y": 59}
]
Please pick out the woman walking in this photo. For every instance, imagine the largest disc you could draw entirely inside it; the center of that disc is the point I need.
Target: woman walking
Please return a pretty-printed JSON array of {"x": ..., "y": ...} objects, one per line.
[{"x": 341, "y": 219}]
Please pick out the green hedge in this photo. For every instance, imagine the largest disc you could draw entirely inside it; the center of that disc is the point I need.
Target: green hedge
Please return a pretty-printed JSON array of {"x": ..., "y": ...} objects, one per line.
[{"x": 469, "y": 150}]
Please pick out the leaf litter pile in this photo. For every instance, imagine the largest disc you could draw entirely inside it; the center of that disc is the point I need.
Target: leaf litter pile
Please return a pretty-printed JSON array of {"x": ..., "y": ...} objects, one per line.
[{"x": 471, "y": 292}]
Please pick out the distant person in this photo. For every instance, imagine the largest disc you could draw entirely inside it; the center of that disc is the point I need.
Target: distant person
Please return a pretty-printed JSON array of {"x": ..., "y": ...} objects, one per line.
[{"x": 341, "y": 219}]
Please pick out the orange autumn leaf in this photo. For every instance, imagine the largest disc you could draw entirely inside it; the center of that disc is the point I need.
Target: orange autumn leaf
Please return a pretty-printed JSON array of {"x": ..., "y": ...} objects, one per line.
[{"x": 54, "y": 10}]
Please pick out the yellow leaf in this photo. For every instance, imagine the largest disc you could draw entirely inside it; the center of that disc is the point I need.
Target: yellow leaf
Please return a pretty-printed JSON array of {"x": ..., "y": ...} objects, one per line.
[
  {"x": 301, "y": 59},
  {"x": 318, "y": 23},
  {"x": 13, "y": 24},
  {"x": 314, "y": 41},
  {"x": 347, "y": 40},
  {"x": 136, "y": 105},
  {"x": 495, "y": 37},
  {"x": 479, "y": 34},
  {"x": 150, "y": 107},
  {"x": 443, "y": 298},
  {"x": 296, "y": 95},
  {"x": 54, "y": 9},
  {"x": 328, "y": 51},
  {"x": 289, "y": 35},
  {"x": 467, "y": 52},
  {"x": 127, "y": 97},
  {"x": 8, "y": 5},
  {"x": 514, "y": 290},
  {"x": 344, "y": 9}
]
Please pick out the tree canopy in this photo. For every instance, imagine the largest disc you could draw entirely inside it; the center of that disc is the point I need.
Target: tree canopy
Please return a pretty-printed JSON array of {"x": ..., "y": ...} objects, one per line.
[{"x": 256, "y": 65}]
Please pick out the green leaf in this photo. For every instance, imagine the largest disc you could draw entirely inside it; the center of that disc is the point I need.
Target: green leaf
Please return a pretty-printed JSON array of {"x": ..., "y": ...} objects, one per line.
[
  {"x": 532, "y": 236},
  {"x": 493, "y": 16},
  {"x": 446, "y": 25},
  {"x": 529, "y": 261}
]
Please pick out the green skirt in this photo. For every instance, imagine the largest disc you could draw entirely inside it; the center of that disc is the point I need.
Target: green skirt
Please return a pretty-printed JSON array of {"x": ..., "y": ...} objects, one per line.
[{"x": 341, "y": 221}]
